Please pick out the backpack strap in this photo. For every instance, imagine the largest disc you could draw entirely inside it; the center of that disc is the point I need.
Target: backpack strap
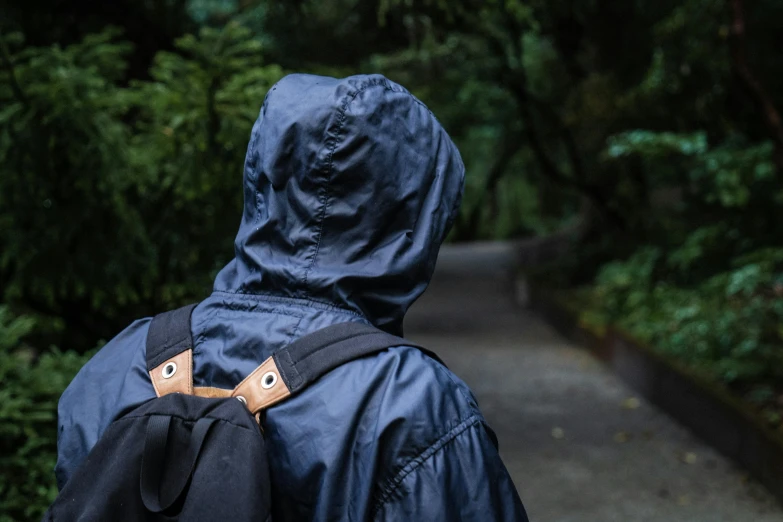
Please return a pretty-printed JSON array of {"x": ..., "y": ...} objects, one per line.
[
  {"x": 305, "y": 360},
  {"x": 169, "y": 352}
]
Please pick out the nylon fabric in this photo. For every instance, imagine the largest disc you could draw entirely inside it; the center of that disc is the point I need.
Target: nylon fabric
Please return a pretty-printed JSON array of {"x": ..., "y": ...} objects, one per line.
[{"x": 349, "y": 187}]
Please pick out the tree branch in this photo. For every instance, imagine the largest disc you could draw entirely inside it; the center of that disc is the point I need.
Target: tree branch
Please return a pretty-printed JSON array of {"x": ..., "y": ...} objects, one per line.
[
  {"x": 507, "y": 46},
  {"x": 509, "y": 146},
  {"x": 548, "y": 165},
  {"x": 6, "y": 58},
  {"x": 752, "y": 84},
  {"x": 213, "y": 120}
]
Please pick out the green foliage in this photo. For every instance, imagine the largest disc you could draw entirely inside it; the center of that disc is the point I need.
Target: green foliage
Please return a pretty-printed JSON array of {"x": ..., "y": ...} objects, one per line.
[
  {"x": 121, "y": 200},
  {"x": 28, "y": 423},
  {"x": 725, "y": 175},
  {"x": 730, "y": 173},
  {"x": 727, "y": 326},
  {"x": 63, "y": 168},
  {"x": 187, "y": 150},
  {"x": 655, "y": 144}
]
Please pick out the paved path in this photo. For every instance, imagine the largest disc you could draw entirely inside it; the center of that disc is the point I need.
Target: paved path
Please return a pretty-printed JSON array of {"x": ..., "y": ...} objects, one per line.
[{"x": 578, "y": 443}]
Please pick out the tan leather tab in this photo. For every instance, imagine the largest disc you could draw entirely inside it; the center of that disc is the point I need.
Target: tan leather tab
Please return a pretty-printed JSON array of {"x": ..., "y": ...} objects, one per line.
[
  {"x": 262, "y": 388},
  {"x": 211, "y": 392},
  {"x": 175, "y": 375}
]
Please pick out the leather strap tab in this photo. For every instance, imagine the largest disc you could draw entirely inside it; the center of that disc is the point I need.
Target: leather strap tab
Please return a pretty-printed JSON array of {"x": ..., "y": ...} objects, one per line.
[
  {"x": 262, "y": 388},
  {"x": 211, "y": 392},
  {"x": 174, "y": 375},
  {"x": 170, "y": 352},
  {"x": 302, "y": 362}
]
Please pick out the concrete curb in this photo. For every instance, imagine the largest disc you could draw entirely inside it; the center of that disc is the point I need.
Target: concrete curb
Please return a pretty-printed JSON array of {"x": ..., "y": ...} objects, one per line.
[{"x": 711, "y": 412}]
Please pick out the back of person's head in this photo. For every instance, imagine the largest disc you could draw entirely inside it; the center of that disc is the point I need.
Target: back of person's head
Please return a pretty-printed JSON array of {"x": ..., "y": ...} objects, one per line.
[{"x": 350, "y": 186}]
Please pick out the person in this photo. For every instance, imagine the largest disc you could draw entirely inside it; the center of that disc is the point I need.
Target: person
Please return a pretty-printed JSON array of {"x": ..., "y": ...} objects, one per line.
[{"x": 350, "y": 186}]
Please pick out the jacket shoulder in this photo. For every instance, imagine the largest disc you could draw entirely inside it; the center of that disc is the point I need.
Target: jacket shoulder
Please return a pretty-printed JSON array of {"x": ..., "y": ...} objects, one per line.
[
  {"x": 113, "y": 381},
  {"x": 423, "y": 389},
  {"x": 346, "y": 438}
]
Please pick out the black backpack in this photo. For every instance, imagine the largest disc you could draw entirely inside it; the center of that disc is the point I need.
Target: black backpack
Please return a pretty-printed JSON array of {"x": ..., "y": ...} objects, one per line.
[{"x": 198, "y": 454}]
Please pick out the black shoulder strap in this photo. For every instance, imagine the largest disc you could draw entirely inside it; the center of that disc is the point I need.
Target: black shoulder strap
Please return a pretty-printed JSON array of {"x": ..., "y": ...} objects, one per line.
[
  {"x": 308, "y": 358},
  {"x": 168, "y": 336},
  {"x": 299, "y": 364}
]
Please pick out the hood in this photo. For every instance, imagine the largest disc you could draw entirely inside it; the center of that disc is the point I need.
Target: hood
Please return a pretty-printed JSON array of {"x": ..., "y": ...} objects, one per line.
[{"x": 350, "y": 186}]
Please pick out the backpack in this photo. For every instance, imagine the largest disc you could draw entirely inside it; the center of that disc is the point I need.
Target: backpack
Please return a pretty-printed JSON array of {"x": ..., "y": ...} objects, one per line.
[{"x": 198, "y": 454}]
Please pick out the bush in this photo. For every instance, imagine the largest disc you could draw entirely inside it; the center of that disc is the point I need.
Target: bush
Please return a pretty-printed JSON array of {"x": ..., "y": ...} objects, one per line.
[
  {"x": 28, "y": 419},
  {"x": 728, "y": 326}
]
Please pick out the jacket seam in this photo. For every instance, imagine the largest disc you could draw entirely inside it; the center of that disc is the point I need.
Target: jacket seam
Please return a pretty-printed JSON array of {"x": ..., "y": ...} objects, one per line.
[
  {"x": 226, "y": 313},
  {"x": 350, "y": 97},
  {"x": 202, "y": 326},
  {"x": 229, "y": 312},
  {"x": 314, "y": 303},
  {"x": 415, "y": 463}
]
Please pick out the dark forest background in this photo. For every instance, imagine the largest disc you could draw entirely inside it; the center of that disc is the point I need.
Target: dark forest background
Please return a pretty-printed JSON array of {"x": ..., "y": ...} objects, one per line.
[{"x": 652, "y": 125}]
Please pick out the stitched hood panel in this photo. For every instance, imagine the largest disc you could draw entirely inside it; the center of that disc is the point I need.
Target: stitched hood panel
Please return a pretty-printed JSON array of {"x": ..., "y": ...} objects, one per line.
[{"x": 350, "y": 186}]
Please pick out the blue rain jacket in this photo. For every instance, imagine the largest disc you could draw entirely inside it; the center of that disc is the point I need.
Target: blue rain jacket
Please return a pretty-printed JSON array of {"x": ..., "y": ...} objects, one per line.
[{"x": 350, "y": 187}]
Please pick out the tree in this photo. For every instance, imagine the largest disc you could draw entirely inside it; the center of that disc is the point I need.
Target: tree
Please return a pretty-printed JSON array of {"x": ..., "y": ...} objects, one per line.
[{"x": 114, "y": 199}]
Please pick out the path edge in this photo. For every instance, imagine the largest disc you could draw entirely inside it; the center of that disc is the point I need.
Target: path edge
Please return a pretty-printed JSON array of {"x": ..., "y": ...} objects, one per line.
[{"x": 706, "y": 409}]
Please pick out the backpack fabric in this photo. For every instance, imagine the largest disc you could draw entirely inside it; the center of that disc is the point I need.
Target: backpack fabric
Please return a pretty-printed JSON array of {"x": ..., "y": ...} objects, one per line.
[{"x": 187, "y": 455}]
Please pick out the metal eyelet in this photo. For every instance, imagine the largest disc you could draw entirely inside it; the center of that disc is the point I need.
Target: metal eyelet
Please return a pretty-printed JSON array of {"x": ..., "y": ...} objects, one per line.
[
  {"x": 242, "y": 400},
  {"x": 169, "y": 370},
  {"x": 268, "y": 380}
]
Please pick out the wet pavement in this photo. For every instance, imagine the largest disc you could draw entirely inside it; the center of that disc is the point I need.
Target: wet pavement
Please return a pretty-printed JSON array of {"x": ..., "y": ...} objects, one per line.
[{"x": 580, "y": 445}]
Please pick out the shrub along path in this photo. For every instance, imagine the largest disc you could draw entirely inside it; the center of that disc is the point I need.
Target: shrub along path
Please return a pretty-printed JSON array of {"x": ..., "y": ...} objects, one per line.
[{"x": 579, "y": 444}]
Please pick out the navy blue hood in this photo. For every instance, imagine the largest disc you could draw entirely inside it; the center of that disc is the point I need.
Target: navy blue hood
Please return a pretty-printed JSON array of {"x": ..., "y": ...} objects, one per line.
[{"x": 350, "y": 186}]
